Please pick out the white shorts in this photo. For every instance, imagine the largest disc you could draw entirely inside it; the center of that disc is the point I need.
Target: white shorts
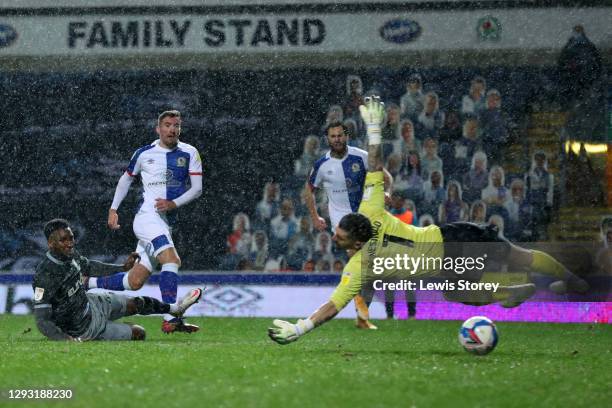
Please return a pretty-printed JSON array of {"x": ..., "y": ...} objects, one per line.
[{"x": 154, "y": 236}]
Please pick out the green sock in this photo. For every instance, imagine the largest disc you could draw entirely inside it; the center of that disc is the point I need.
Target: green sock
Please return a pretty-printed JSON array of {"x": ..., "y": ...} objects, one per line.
[{"x": 547, "y": 265}]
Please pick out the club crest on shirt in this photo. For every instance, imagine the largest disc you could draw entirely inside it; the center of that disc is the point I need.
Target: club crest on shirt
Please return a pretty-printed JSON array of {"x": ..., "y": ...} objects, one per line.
[
  {"x": 346, "y": 278},
  {"x": 355, "y": 167},
  {"x": 38, "y": 294},
  {"x": 181, "y": 162}
]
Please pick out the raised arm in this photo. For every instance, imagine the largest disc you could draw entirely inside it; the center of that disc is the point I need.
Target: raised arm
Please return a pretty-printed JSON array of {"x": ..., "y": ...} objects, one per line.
[
  {"x": 373, "y": 114},
  {"x": 388, "y": 179}
]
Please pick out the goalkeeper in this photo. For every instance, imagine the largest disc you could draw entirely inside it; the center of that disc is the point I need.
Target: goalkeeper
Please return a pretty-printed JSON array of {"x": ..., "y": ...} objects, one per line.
[{"x": 373, "y": 233}]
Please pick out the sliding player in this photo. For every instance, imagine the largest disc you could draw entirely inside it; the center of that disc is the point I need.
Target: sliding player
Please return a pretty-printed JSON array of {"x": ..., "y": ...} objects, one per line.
[{"x": 63, "y": 309}]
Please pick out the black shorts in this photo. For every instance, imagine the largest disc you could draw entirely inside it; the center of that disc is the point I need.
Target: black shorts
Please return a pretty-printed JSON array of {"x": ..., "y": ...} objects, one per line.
[{"x": 466, "y": 239}]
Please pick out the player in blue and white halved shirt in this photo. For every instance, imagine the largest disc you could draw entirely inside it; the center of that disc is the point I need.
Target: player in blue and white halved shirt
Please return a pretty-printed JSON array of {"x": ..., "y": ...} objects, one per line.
[
  {"x": 341, "y": 172},
  {"x": 171, "y": 174}
]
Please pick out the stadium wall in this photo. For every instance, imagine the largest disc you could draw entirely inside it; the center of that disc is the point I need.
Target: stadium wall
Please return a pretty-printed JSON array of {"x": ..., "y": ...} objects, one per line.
[{"x": 273, "y": 35}]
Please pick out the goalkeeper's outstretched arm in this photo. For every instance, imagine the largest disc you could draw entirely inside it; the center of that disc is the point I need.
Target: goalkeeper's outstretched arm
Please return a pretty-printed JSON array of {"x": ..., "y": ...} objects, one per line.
[
  {"x": 350, "y": 285},
  {"x": 285, "y": 332},
  {"x": 326, "y": 312}
]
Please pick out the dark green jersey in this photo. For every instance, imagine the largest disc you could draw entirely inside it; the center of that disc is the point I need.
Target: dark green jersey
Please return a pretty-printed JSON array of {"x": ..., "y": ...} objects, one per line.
[{"x": 57, "y": 284}]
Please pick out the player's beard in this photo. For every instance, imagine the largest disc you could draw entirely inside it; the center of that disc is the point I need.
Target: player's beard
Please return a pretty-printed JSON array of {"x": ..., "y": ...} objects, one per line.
[
  {"x": 339, "y": 149},
  {"x": 172, "y": 143}
]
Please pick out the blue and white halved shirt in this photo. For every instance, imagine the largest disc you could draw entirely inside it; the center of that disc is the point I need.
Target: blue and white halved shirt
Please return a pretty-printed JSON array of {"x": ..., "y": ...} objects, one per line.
[{"x": 343, "y": 181}]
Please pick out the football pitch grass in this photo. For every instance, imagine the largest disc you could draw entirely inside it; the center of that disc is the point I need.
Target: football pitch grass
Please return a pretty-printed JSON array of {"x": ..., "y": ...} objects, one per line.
[{"x": 232, "y": 363}]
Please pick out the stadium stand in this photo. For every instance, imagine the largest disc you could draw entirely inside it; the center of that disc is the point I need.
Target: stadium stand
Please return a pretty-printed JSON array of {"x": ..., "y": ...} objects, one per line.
[{"x": 79, "y": 137}]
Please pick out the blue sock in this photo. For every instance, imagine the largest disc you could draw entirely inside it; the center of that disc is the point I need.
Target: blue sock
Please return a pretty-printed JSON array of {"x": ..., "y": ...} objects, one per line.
[
  {"x": 112, "y": 282},
  {"x": 168, "y": 282}
]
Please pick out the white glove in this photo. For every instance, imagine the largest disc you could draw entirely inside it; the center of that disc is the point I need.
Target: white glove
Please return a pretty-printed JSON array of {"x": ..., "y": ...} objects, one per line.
[
  {"x": 285, "y": 332},
  {"x": 373, "y": 115}
]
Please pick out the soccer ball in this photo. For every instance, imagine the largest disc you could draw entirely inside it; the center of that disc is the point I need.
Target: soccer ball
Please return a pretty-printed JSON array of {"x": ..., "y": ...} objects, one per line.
[{"x": 478, "y": 335}]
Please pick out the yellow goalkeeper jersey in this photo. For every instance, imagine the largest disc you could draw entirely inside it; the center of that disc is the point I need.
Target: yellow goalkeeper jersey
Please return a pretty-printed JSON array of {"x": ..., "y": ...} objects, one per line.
[{"x": 392, "y": 242}]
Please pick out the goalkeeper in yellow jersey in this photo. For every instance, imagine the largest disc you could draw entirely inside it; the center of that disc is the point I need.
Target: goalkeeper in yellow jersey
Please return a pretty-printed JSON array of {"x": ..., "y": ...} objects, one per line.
[{"x": 384, "y": 248}]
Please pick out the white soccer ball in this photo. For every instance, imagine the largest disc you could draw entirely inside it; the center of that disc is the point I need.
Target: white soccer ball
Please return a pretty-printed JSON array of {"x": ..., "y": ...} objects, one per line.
[{"x": 478, "y": 335}]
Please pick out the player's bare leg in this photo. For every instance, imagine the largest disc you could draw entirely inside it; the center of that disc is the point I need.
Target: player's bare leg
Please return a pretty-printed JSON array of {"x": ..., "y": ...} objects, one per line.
[
  {"x": 137, "y": 274},
  {"x": 133, "y": 279}
]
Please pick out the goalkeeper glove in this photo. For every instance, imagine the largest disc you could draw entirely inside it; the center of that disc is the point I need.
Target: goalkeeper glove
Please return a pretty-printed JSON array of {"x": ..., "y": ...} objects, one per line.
[
  {"x": 284, "y": 332},
  {"x": 373, "y": 114}
]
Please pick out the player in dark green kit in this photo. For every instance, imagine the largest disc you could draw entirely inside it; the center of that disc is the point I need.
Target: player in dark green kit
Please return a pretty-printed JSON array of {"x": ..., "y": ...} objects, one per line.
[{"x": 63, "y": 309}]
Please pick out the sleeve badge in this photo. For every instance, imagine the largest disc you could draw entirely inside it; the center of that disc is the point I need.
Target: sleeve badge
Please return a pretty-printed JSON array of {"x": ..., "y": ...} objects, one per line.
[{"x": 38, "y": 294}]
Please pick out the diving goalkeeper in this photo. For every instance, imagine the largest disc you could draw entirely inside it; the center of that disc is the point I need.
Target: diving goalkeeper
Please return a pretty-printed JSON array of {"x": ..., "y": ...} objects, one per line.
[{"x": 373, "y": 233}]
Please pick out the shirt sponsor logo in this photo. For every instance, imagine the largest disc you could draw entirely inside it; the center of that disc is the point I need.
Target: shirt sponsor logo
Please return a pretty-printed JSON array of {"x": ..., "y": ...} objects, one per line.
[
  {"x": 8, "y": 35},
  {"x": 74, "y": 289},
  {"x": 400, "y": 31}
]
